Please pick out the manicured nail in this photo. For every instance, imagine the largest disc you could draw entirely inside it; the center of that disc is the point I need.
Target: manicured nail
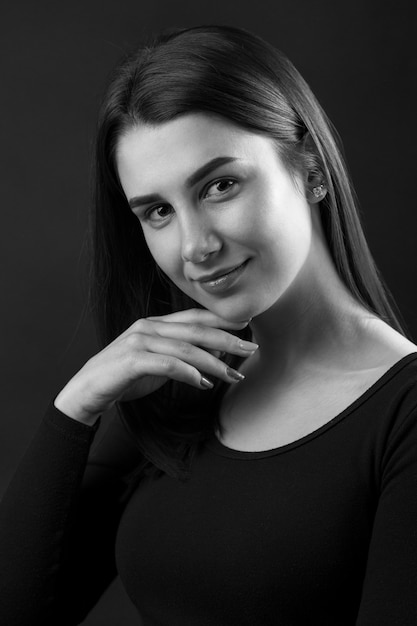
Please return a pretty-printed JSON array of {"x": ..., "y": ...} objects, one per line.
[
  {"x": 249, "y": 346},
  {"x": 206, "y": 383},
  {"x": 233, "y": 374}
]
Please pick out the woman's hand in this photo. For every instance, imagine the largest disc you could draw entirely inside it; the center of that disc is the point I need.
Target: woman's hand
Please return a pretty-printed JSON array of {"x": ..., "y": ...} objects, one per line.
[{"x": 183, "y": 346}]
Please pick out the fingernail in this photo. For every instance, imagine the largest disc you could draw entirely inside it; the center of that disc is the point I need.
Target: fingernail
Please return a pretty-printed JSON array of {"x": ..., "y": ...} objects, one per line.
[
  {"x": 233, "y": 374},
  {"x": 206, "y": 383},
  {"x": 249, "y": 346}
]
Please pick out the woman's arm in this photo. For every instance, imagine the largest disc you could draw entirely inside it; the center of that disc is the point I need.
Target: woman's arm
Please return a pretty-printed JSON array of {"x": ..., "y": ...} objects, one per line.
[
  {"x": 390, "y": 586},
  {"x": 58, "y": 521}
]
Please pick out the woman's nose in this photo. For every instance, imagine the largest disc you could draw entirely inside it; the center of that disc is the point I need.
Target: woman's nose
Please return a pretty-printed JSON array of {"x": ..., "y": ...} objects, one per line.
[{"x": 198, "y": 238}]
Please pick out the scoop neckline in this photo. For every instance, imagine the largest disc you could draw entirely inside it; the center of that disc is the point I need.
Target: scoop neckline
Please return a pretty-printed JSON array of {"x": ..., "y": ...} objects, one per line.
[{"x": 215, "y": 445}]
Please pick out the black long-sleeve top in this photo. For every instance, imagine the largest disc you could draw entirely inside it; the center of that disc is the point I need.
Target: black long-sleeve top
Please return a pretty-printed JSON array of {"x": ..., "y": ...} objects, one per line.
[{"x": 319, "y": 531}]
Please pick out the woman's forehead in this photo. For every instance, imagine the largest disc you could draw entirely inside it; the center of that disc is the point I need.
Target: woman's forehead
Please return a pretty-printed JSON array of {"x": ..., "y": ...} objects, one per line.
[{"x": 190, "y": 140}]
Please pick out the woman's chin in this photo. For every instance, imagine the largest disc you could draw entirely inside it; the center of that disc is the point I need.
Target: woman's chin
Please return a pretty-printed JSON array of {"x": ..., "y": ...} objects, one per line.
[{"x": 235, "y": 315}]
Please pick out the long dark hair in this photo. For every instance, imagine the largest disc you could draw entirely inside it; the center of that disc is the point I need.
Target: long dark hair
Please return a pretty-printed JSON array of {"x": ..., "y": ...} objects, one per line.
[{"x": 232, "y": 73}]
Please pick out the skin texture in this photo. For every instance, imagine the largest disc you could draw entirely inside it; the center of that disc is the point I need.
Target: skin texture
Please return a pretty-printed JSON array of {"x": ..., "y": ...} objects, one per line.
[{"x": 251, "y": 209}]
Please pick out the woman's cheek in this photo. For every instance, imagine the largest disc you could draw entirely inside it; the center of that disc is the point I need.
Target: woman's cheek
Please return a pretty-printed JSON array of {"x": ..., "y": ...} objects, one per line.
[{"x": 162, "y": 249}]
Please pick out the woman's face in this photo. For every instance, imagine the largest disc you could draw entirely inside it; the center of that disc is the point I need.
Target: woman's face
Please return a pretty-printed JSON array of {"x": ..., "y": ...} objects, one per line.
[{"x": 220, "y": 213}]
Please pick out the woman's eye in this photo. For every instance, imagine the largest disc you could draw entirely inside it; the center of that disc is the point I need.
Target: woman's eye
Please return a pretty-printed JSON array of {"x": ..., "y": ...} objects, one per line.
[
  {"x": 159, "y": 213},
  {"x": 219, "y": 188}
]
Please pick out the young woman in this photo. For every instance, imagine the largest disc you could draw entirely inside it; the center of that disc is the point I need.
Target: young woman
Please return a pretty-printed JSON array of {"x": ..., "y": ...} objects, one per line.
[{"x": 264, "y": 466}]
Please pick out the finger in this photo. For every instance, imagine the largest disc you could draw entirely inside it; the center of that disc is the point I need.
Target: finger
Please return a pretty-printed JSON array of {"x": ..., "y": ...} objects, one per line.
[
  {"x": 217, "y": 353},
  {"x": 170, "y": 367},
  {"x": 200, "y": 316},
  {"x": 200, "y": 359},
  {"x": 197, "y": 334}
]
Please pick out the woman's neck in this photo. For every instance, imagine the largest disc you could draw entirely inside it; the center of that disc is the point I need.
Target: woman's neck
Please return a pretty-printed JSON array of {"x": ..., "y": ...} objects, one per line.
[{"x": 317, "y": 320}]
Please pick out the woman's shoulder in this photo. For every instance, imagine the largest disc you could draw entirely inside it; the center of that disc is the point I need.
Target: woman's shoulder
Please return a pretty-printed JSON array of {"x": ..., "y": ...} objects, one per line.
[
  {"x": 395, "y": 390},
  {"x": 393, "y": 359},
  {"x": 383, "y": 346}
]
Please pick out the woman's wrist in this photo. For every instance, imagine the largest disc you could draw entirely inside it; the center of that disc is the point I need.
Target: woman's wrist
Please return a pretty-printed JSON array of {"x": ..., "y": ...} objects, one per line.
[{"x": 65, "y": 403}]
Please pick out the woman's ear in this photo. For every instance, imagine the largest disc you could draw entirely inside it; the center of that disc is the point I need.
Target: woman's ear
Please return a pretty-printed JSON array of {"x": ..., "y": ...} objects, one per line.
[
  {"x": 316, "y": 192},
  {"x": 315, "y": 183}
]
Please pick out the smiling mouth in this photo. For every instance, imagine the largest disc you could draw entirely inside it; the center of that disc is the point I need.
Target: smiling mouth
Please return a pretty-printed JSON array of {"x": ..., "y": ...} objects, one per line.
[
  {"x": 220, "y": 277},
  {"x": 224, "y": 281}
]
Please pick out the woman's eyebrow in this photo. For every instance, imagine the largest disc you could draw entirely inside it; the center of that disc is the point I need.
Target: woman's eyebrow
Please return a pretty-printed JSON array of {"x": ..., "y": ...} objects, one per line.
[
  {"x": 192, "y": 180},
  {"x": 206, "y": 169}
]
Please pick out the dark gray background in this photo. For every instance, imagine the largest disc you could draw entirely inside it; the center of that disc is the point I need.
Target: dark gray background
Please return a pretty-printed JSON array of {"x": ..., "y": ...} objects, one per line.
[{"x": 358, "y": 58}]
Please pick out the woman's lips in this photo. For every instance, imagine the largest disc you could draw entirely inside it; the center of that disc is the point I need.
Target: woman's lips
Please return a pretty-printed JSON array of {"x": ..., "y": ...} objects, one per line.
[{"x": 225, "y": 281}]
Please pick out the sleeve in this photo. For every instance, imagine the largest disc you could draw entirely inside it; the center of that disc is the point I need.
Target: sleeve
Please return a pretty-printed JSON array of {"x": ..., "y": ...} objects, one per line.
[
  {"x": 58, "y": 522},
  {"x": 389, "y": 595}
]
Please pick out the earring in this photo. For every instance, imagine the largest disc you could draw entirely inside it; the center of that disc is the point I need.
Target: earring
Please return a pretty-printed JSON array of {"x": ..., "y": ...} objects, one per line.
[{"x": 319, "y": 191}]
